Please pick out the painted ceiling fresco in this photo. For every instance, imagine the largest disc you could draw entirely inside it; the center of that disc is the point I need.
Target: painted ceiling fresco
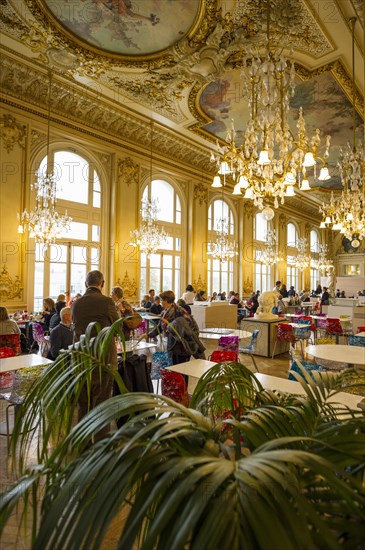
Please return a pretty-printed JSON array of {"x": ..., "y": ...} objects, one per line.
[
  {"x": 126, "y": 27},
  {"x": 325, "y": 106}
]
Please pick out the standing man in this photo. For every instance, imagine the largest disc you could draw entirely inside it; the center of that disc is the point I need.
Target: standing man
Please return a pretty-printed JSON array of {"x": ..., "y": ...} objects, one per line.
[{"x": 94, "y": 306}]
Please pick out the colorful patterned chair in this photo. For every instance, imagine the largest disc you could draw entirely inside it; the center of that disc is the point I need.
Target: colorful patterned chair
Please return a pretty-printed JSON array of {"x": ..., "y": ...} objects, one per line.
[
  {"x": 228, "y": 343},
  {"x": 355, "y": 340},
  {"x": 160, "y": 360},
  {"x": 334, "y": 328},
  {"x": 309, "y": 367},
  {"x": 173, "y": 386},
  {"x": 11, "y": 341},
  {"x": 286, "y": 334},
  {"x": 40, "y": 339},
  {"x": 221, "y": 356}
]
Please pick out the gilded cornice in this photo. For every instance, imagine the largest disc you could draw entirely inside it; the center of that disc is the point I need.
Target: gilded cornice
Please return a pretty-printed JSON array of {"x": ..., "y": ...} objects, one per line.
[{"x": 29, "y": 85}]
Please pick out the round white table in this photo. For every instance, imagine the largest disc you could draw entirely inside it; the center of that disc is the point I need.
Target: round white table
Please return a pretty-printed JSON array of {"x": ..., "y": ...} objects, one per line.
[
  {"x": 349, "y": 355},
  {"x": 212, "y": 335}
]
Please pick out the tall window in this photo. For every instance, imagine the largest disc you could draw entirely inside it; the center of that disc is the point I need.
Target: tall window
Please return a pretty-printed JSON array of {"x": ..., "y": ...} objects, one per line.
[
  {"x": 262, "y": 272},
  {"x": 220, "y": 274},
  {"x": 162, "y": 271},
  {"x": 314, "y": 251},
  {"x": 292, "y": 272},
  {"x": 63, "y": 266}
]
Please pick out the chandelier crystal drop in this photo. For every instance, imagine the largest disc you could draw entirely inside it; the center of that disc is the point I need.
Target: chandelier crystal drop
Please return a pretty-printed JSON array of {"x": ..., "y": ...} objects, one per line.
[
  {"x": 222, "y": 248},
  {"x": 324, "y": 264},
  {"x": 270, "y": 254},
  {"x": 271, "y": 161},
  {"x": 44, "y": 223},
  {"x": 303, "y": 258},
  {"x": 346, "y": 213},
  {"x": 149, "y": 237}
]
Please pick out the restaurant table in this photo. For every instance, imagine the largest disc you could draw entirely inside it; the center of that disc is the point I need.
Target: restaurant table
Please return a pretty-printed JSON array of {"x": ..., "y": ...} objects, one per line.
[
  {"x": 133, "y": 346},
  {"x": 23, "y": 362},
  {"x": 197, "y": 367},
  {"x": 349, "y": 355},
  {"x": 210, "y": 337},
  {"x": 149, "y": 317},
  {"x": 360, "y": 334}
]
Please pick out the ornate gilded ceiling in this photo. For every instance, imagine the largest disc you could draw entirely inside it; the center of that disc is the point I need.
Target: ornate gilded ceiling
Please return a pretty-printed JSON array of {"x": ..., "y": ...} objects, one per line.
[{"x": 177, "y": 61}]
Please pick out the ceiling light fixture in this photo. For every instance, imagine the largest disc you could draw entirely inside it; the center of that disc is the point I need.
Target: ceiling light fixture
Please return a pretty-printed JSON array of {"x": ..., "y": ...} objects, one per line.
[
  {"x": 270, "y": 162},
  {"x": 346, "y": 213},
  {"x": 44, "y": 223}
]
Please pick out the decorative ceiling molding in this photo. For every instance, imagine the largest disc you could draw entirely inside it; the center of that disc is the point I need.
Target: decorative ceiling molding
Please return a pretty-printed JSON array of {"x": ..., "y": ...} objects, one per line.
[
  {"x": 19, "y": 81},
  {"x": 201, "y": 193}
]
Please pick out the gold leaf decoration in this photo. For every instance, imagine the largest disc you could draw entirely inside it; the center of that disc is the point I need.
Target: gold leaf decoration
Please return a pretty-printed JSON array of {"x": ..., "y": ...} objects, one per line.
[
  {"x": 129, "y": 286},
  {"x": 9, "y": 288}
]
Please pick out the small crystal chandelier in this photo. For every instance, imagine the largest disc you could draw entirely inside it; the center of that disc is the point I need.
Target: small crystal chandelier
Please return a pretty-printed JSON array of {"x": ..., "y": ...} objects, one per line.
[
  {"x": 347, "y": 212},
  {"x": 271, "y": 161},
  {"x": 149, "y": 237},
  {"x": 270, "y": 254},
  {"x": 324, "y": 264},
  {"x": 222, "y": 248},
  {"x": 44, "y": 223},
  {"x": 302, "y": 259}
]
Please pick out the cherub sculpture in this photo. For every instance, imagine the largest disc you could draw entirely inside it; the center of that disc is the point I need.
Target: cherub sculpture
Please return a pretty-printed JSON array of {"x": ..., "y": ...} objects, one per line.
[{"x": 267, "y": 300}]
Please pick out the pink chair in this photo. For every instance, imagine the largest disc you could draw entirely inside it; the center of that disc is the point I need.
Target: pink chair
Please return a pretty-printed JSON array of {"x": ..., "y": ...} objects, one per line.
[{"x": 40, "y": 339}]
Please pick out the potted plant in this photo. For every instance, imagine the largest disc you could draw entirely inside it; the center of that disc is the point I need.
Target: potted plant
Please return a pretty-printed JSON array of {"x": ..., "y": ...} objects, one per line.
[{"x": 240, "y": 468}]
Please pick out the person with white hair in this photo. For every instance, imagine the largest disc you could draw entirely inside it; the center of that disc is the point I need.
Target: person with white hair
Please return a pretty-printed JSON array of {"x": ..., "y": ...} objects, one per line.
[{"x": 61, "y": 336}]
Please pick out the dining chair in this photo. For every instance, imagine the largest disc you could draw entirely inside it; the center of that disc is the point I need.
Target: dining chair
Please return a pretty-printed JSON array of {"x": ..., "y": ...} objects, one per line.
[
  {"x": 355, "y": 340},
  {"x": 160, "y": 360},
  {"x": 228, "y": 343},
  {"x": 173, "y": 386},
  {"x": 334, "y": 328},
  {"x": 250, "y": 348},
  {"x": 11, "y": 341},
  {"x": 309, "y": 368},
  {"x": 221, "y": 355},
  {"x": 360, "y": 329},
  {"x": 40, "y": 339},
  {"x": 285, "y": 334}
]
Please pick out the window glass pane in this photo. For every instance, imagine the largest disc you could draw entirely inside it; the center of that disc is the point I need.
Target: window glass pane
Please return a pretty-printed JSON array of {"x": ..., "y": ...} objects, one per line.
[
  {"x": 143, "y": 259},
  {"x": 167, "y": 279},
  {"x": 291, "y": 235},
  {"x": 216, "y": 282},
  {"x": 177, "y": 283},
  {"x": 216, "y": 265},
  {"x": 169, "y": 244},
  {"x": 260, "y": 227},
  {"x": 210, "y": 209},
  {"x": 142, "y": 281},
  {"x": 155, "y": 280},
  {"x": 96, "y": 199},
  {"x": 225, "y": 281},
  {"x": 78, "y": 276},
  {"x": 57, "y": 283},
  {"x": 155, "y": 260},
  {"x": 178, "y": 217},
  {"x": 40, "y": 251},
  {"x": 77, "y": 231},
  {"x": 95, "y": 233},
  {"x": 163, "y": 193},
  {"x": 177, "y": 244},
  {"x": 96, "y": 182},
  {"x": 78, "y": 254},
  {"x": 167, "y": 260},
  {"x": 93, "y": 255},
  {"x": 314, "y": 241},
  {"x": 72, "y": 176},
  {"x": 177, "y": 262},
  {"x": 38, "y": 286}
]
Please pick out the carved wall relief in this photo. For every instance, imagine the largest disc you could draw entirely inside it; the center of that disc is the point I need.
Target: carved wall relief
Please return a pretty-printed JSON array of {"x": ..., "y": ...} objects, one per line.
[
  {"x": 9, "y": 288},
  {"x": 129, "y": 286},
  {"x": 12, "y": 133},
  {"x": 201, "y": 193},
  {"x": 128, "y": 171}
]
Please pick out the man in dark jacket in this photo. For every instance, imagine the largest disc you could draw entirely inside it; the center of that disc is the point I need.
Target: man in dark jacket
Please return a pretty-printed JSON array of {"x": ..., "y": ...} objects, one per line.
[
  {"x": 94, "y": 306},
  {"x": 61, "y": 336}
]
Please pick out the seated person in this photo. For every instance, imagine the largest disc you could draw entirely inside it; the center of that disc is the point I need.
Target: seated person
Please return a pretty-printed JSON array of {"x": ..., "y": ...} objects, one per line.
[
  {"x": 156, "y": 307},
  {"x": 61, "y": 336},
  {"x": 325, "y": 297},
  {"x": 281, "y": 307},
  {"x": 182, "y": 303},
  {"x": 343, "y": 295},
  {"x": 199, "y": 296},
  {"x": 48, "y": 311},
  {"x": 235, "y": 299},
  {"x": 7, "y": 325},
  {"x": 189, "y": 295},
  {"x": 252, "y": 304},
  {"x": 146, "y": 302},
  {"x": 56, "y": 318},
  {"x": 213, "y": 297}
]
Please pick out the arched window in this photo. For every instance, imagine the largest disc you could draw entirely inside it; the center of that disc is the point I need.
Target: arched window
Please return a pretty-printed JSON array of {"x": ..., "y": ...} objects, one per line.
[
  {"x": 262, "y": 271},
  {"x": 314, "y": 251},
  {"x": 220, "y": 274},
  {"x": 63, "y": 266},
  {"x": 292, "y": 272},
  {"x": 162, "y": 271}
]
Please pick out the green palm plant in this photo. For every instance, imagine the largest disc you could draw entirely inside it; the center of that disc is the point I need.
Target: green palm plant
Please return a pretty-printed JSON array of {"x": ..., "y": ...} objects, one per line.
[{"x": 241, "y": 468}]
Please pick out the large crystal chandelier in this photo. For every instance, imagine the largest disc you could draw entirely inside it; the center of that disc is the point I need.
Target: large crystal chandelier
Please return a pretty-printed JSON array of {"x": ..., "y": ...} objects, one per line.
[
  {"x": 149, "y": 237},
  {"x": 271, "y": 161},
  {"x": 324, "y": 264},
  {"x": 44, "y": 223},
  {"x": 222, "y": 248},
  {"x": 302, "y": 259},
  {"x": 270, "y": 255},
  {"x": 346, "y": 213}
]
